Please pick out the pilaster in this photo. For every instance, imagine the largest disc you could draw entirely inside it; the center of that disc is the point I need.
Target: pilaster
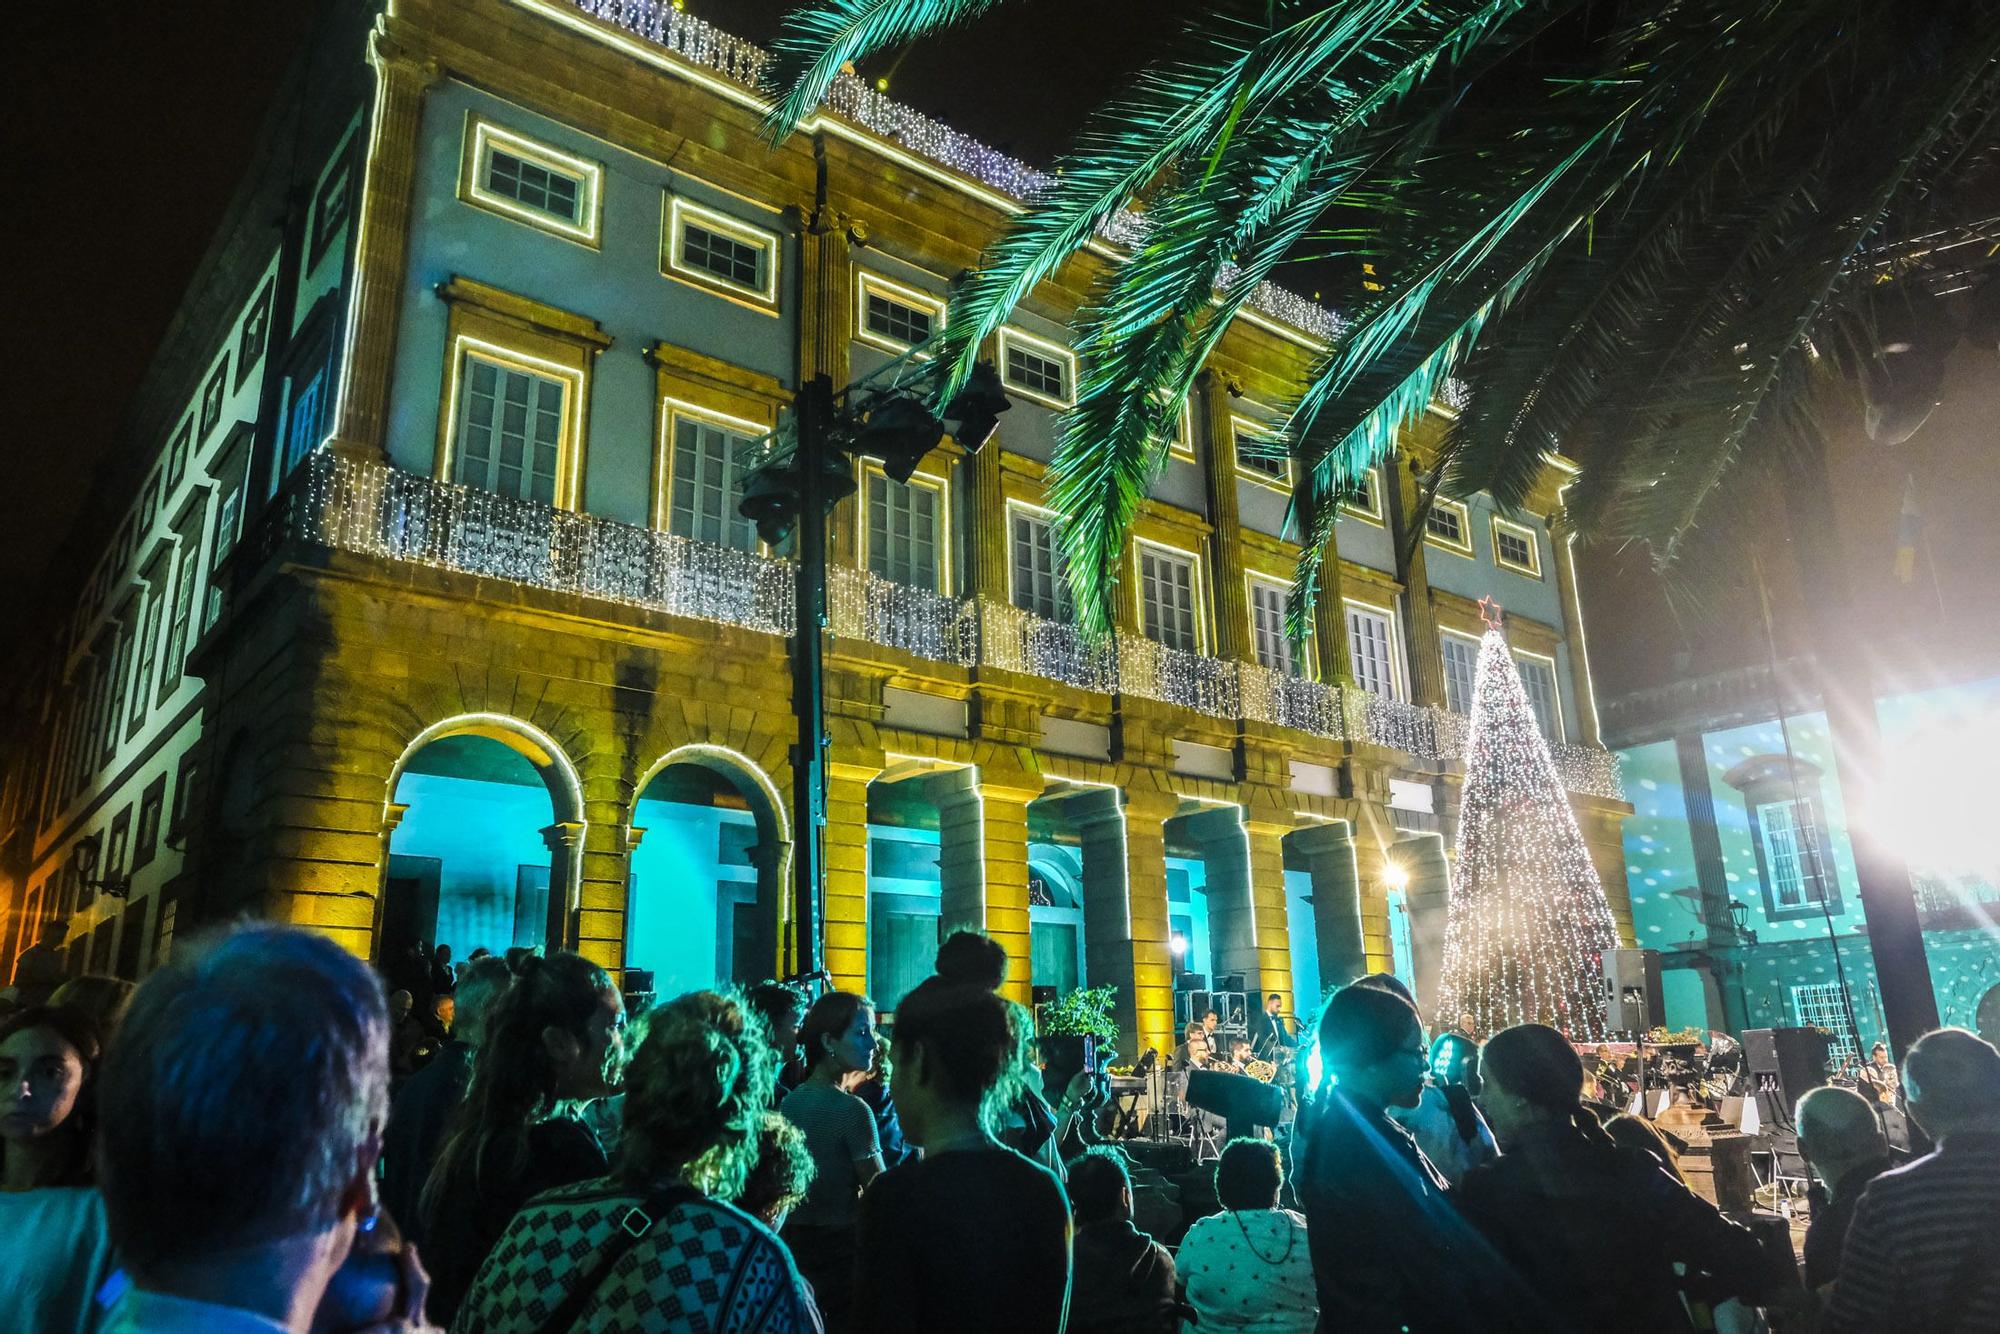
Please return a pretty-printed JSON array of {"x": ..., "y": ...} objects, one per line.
[
  {"x": 1268, "y": 908},
  {"x": 1328, "y": 850},
  {"x": 1582, "y": 690},
  {"x": 1420, "y": 630},
  {"x": 1125, "y": 911},
  {"x": 846, "y": 925},
  {"x": 1225, "y": 554},
  {"x": 983, "y": 859}
]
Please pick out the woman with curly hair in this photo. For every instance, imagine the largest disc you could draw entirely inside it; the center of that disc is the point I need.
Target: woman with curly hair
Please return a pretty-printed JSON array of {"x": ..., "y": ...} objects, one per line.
[
  {"x": 551, "y": 1044},
  {"x": 653, "y": 1246}
]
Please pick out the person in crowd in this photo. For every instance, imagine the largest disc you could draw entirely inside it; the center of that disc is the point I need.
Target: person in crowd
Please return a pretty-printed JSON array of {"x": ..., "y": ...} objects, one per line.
[
  {"x": 1250, "y": 1266},
  {"x": 1446, "y": 1121},
  {"x": 974, "y": 959},
  {"x": 784, "y": 1172},
  {"x": 873, "y": 1089},
  {"x": 1209, "y": 1022},
  {"x": 1636, "y": 1132},
  {"x": 970, "y": 1206},
  {"x": 694, "y": 1104},
  {"x": 1270, "y": 1036},
  {"x": 54, "y": 1248},
  {"x": 839, "y": 1040},
  {"x": 1563, "y": 1204},
  {"x": 424, "y": 1105},
  {"x": 1841, "y": 1138},
  {"x": 480, "y": 953},
  {"x": 783, "y": 1010},
  {"x": 606, "y": 1116},
  {"x": 1124, "y": 1280},
  {"x": 1385, "y": 1251},
  {"x": 38, "y": 970},
  {"x": 409, "y": 1037},
  {"x": 1192, "y": 1054},
  {"x": 1923, "y": 1251},
  {"x": 443, "y": 1020},
  {"x": 550, "y": 1041},
  {"x": 1877, "y": 1079},
  {"x": 102, "y": 998},
  {"x": 443, "y": 977},
  {"x": 251, "y": 1081}
]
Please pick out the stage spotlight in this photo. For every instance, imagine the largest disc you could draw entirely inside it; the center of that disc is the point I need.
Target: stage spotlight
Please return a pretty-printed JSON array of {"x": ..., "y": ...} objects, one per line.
[
  {"x": 975, "y": 410},
  {"x": 899, "y": 432}
]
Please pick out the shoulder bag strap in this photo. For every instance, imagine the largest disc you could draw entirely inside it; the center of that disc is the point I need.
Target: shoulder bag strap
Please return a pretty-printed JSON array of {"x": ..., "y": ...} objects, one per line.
[{"x": 633, "y": 1225}]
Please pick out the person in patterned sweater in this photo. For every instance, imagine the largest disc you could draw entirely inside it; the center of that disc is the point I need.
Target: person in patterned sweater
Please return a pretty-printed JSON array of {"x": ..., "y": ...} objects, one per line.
[{"x": 654, "y": 1246}]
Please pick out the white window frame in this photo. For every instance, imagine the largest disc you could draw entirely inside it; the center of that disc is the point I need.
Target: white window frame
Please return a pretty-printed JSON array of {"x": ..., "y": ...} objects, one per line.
[
  {"x": 930, "y": 481},
  {"x": 681, "y": 210},
  {"x": 1811, "y": 872},
  {"x": 1533, "y": 569},
  {"x": 569, "y": 447},
  {"x": 1182, "y": 445},
  {"x": 1444, "y": 666},
  {"x": 1037, "y": 514},
  {"x": 1372, "y": 515},
  {"x": 1557, "y": 732},
  {"x": 482, "y": 136},
  {"x": 1395, "y": 643},
  {"x": 1292, "y": 656},
  {"x": 672, "y": 410},
  {"x": 868, "y": 283},
  {"x": 1009, "y": 337},
  {"x": 1199, "y": 604},
  {"x": 1460, "y": 548},
  {"x": 1239, "y": 427}
]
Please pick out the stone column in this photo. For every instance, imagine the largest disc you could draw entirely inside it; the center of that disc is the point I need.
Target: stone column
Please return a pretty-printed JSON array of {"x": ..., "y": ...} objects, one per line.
[
  {"x": 846, "y": 924},
  {"x": 381, "y": 217},
  {"x": 1232, "y": 921},
  {"x": 1583, "y": 692},
  {"x": 564, "y": 840},
  {"x": 1428, "y": 901},
  {"x": 1269, "y": 908},
  {"x": 983, "y": 859},
  {"x": 1420, "y": 632},
  {"x": 824, "y": 321},
  {"x": 986, "y": 525},
  {"x": 1336, "y": 667},
  {"x": 1227, "y": 594},
  {"x": 606, "y": 875},
  {"x": 1372, "y": 894},
  {"x": 1328, "y": 850},
  {"x": 1125, "y": 911}
]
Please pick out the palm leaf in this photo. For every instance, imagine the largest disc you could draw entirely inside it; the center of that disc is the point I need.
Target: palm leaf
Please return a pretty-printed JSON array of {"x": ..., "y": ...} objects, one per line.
[{"x": 816, "y": 42}]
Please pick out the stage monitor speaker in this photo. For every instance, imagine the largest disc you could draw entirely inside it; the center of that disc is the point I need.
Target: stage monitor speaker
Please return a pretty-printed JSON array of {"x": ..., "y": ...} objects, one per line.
[
  {"x": 1634, "y": 998},
  {"x": 1784, "y": 1064},
  {"x": 1239, "y": 1100}
]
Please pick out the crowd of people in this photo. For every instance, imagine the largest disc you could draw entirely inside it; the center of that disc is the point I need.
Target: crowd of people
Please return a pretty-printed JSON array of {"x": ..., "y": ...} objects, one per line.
[{"x": 232, "y": 1147}]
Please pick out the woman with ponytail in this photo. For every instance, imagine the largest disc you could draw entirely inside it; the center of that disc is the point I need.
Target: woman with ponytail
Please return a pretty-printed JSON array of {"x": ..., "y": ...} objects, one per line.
[
  {"x": 551, "y": 1044},
  {"x": 1595, "y": 1228},
  {"x": 653, "y": 1245}
]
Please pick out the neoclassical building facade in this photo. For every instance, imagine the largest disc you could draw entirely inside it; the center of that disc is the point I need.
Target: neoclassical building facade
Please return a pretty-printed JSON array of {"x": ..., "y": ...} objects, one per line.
[{"x": 429, "y": 616}]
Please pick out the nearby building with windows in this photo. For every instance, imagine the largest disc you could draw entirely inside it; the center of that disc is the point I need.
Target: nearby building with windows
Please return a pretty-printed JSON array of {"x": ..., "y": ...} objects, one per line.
[{"x": 432, "y": 616}]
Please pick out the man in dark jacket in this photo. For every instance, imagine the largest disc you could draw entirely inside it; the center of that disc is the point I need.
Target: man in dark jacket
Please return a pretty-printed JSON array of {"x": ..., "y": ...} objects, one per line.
[{"x": 1123, "y": 1280}]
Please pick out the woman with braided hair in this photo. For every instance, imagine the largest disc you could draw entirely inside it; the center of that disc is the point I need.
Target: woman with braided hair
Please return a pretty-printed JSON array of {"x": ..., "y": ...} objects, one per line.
[{"x": 653, "y": 1245}]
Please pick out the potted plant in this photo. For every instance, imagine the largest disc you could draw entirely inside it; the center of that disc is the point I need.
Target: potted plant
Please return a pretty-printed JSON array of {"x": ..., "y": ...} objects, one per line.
[{"x": 1063, "y": 1025}]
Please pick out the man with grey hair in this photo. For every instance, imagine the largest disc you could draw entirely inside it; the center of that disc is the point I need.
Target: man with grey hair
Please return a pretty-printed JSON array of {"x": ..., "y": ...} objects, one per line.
[
  {"x": 244, "y": 1102},
  {"x": 1840, "y": 1137},
  {"x": 1923, "y": 1252},
  {"x": 424, "y": 1105}
]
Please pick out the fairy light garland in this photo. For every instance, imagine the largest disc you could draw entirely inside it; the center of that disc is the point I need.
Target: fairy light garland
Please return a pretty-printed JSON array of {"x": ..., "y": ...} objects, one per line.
[{"x": 1528, "y": 923}]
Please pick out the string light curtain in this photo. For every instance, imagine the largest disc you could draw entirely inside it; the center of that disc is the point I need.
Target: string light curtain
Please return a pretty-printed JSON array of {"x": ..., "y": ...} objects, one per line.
[{"x": 1528, "y": 923}]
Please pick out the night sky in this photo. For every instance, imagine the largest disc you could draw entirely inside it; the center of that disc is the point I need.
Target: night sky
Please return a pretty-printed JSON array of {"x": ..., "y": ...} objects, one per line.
[{"x": 132, "y": 124}]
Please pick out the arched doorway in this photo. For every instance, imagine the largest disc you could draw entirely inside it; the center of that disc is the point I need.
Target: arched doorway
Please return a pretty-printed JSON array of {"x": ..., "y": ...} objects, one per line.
[
  {"x": 1055, "y": 918},
  {"x": 485, "y": 827},
  {"x": 708, "y": 868}
]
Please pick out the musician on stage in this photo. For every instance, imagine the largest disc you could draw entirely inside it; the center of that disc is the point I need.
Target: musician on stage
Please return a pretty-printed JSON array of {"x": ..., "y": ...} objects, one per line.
[
  {"x": 1193, "y": 1053},
  {"x": 1877, "y": 1079},
  {"x": 1270, "y": 1037}
]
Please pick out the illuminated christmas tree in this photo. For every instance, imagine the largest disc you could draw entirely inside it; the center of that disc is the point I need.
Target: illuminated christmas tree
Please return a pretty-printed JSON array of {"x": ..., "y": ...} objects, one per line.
[{"x": 1528, "y": 923}]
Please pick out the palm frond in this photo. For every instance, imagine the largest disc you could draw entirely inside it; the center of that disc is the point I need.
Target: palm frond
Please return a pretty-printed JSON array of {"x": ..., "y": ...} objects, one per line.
[{"x": 817, "y": 41}]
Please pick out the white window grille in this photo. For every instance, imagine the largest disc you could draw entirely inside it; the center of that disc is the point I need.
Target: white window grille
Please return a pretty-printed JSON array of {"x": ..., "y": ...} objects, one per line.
[
  {"x": 708, "y": 485},
  {"x": 1792, "y": 852},
  {"x": 1274, "y": 647},
  {"x": 1039, "y": 585},
  {"x": 510, "y": 431},
  {"x": 1822, "y": 1005},
  {"x": 1167, "y": 599},
  {"x": 1538, "y": 678},
  {"x": 1371, "y": 649},
  {"x": 903, "y": 531},
  {"x": 1461, "y": 664}
]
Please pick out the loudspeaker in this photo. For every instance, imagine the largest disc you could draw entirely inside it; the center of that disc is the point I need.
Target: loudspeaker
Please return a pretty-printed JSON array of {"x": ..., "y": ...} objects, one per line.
[
  {"x": 1634, "y": 1000},
  {"x": 1784, "y": 1063},
  {"x": 1238, "y": 1099}
]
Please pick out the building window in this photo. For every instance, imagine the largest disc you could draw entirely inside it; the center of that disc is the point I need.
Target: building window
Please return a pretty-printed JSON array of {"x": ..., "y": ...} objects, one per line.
[
  {"x": 1167, "y": 601},
  {"x": 1538, "y": 678},
  {"x": 188, "y": 574},
  {"x": 149, "y": 641},
  {"x": 1371, "y": 648},
  {"x": 121, "y": 677},
  {"x": 894, "y": 316},
  {"x": 113, "y": 869},
  {"x": 1794, "y": 852},
  {"x": 256, "y": 335},
  {"x": 1260, "y": 453},
  {"x": 510, "y": 430},
  {"x": 1274, "y": 647},
  {"x": 303, "y": 423},
  {"x": 330, "y": 205},
  {"x": 1824, "y": 1005},
  {"x": 707, "y": 482},
  {"x": 1182, "y": 444},
  {"x": 1044, "y": 371},
  {"x": 1461, "y": 666},
  {"x": 177, "y": 455},
  {"x": 148, "y": 837},
  {"x": 1448, "y": 525},
  {"x": 531, "y": 182},
  {"x": 905, "y": 528},
  {"x": 1039, "y": 585},
  {"x": 715, "y": 249},
  {"x": 213, "y": 397},
  {"x": 184, "y": 779},
  {"x": 1363, "y": 497},
  {"x": 228, "y": 520},
  {"x": 1515, "y": 548}
]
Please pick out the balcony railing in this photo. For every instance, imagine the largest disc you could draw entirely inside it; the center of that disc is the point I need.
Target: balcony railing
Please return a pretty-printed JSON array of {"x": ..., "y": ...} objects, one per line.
[{"x": 402, "y": 516}]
